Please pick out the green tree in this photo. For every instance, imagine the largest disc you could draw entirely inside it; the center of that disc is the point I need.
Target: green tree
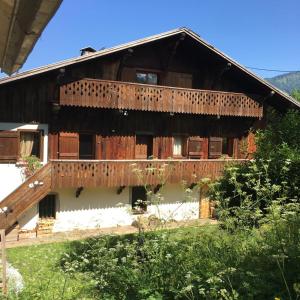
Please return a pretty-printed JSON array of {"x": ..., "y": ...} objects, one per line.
[{"x": 296, "y": 94}]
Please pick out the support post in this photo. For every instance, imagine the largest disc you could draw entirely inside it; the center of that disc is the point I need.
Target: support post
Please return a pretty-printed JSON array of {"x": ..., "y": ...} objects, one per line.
[
  {"x": 3, "y": 250},
  {"x": 204, "y": 203}
]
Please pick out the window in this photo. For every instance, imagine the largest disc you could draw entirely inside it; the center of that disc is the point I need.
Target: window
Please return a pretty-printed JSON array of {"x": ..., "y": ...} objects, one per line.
[
  {"x": 47, "y": 207},
  {"x": 178, "y": 145},
  {"x": 30, "y": 143},
  {"x": 138, "y": 199},
  {"x": 147, "y": 78},
  {"x": 86, "y": 146},
  {"x": 21, "y": 143},
  {"x": 227, "y": 147},
  {"x": 144, "y": 146},
  {"x": 220, "y": 147}
]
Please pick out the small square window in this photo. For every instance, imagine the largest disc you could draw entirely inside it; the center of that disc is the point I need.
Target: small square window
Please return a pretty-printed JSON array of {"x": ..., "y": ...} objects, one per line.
[
  {"x": 47, "y": 207},
  {"x": 139, "y": 199},
  {"x": 147, "y": 78}
]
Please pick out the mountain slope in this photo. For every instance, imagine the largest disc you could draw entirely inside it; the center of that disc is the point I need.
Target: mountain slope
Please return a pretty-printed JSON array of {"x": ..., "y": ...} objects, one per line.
[{"x": 287, "y": 82}]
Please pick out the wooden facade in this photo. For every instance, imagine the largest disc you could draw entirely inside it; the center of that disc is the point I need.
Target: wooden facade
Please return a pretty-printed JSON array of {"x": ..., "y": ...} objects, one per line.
[{"x": 171, "y": 101}]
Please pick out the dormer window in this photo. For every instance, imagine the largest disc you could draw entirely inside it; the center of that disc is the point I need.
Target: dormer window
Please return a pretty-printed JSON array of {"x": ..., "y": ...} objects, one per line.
[{"x": 146, "y": 77}]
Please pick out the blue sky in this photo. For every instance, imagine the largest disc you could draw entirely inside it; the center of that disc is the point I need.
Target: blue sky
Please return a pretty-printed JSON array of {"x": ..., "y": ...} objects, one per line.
[{"x": 259, "y": 33}]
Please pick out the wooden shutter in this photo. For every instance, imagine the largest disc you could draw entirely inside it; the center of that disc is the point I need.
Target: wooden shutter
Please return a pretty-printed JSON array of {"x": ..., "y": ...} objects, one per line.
[
  {"x": 195, "y": 147},
  {"x": 9, "y": 146},
  {"x": 68, "y": 145},
  {"x": 215, "y": 147},
  {"x": 143, "y": 147}
]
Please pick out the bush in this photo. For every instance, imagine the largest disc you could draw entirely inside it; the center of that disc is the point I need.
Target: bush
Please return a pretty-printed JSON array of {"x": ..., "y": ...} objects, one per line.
[
  {"x": 245, "y": 191},
  {"x": 206, "y": 263}
]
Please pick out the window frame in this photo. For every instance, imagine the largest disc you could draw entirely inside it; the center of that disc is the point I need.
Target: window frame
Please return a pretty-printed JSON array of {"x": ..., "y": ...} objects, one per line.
[
  {"x": 147, "y": 71},
  {"x": 41, "y": 137},
  {"x": 93, "y": 143},
  {"x": 135, "y": 210},
  {"x": 184, "y": 145},
  {"x": 227, "y": 153},
  {"x": 55, "y": 207}
]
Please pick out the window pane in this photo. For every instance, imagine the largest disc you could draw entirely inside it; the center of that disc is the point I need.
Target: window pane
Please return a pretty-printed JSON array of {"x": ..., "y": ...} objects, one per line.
[
  {"x": 177, "y": 146},
  {"x": 152, "y": 78},
  {"x": 146, "y": 78},
  {"x": 141, "y": 77},
  {"x": 86, "y": 146}
]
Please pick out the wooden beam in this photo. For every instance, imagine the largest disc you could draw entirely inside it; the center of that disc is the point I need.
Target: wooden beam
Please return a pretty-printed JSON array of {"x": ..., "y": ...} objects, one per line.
[{"x": 123, "y": 59}]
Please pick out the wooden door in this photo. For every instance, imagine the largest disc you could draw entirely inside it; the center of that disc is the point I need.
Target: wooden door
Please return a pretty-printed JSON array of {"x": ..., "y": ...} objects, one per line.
[
  {"x": 68, "y": 145},
  {"x": 143, "y": 146}
]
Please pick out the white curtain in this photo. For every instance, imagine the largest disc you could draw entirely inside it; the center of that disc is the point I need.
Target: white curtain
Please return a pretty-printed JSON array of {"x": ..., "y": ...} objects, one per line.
[
  {"x": 177, "y": 146},
  {"x": 26, "y": 143}
]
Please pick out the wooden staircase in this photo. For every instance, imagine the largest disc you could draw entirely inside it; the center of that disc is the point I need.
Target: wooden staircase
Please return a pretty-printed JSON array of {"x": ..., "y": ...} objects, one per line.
[{"x": 30, "y": 192}]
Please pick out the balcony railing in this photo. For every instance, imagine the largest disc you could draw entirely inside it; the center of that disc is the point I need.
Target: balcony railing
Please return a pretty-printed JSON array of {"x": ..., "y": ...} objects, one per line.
[
  {"x": 116, "y": 173},
  {"x": 133, "y": 96}
]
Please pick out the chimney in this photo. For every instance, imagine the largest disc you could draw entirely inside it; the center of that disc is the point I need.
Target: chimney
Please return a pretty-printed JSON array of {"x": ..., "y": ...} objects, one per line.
[{"x": 87, "y": 50}]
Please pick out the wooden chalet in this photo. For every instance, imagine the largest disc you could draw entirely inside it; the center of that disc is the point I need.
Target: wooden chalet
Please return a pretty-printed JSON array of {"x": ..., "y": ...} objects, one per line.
[{"x": 168, "y": 102}]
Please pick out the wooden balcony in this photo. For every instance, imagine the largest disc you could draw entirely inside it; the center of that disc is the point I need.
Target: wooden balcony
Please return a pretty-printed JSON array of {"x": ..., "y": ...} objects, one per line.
[
  {"x": 133, "y": 96},
  {"x": 116, "y": 173}
]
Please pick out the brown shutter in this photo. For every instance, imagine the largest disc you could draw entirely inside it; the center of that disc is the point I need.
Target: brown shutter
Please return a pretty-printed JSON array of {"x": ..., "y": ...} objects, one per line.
[
  {"x": 9, "y": 146},
  {"x": 215, "y": 147},
  {"x": 68, "y": 145},
  {"x": 143, "y": 147},
  {"x": 195, "y": 147}
]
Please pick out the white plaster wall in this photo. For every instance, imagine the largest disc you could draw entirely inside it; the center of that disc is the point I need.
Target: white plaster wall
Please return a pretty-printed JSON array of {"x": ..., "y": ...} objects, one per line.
[
  {"x": 10, "y": 174},
  {"x": 99, "y": 208},
  {"x": 29, "y": 219},
  {"x": 10, "y": 178},
  {"x": 95, "y": 207},
  {"x": 176, "y": 204}
]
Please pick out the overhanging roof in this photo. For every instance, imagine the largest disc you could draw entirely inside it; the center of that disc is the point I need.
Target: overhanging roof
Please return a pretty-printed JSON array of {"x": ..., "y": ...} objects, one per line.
[
  {"x": 146, "y": 40},
  {"x": 21, "y": 24}
]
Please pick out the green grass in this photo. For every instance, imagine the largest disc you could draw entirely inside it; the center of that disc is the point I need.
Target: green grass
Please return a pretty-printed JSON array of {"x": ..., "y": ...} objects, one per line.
[
  {"x": 43, "y": 277},
  {"x": 39, "y": 266}
]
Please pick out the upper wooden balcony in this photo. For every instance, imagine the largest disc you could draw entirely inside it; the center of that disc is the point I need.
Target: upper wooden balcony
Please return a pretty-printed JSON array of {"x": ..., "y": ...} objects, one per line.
[
  {"x": 144, "y": 97},
  {"x": 116, "y": 173}
]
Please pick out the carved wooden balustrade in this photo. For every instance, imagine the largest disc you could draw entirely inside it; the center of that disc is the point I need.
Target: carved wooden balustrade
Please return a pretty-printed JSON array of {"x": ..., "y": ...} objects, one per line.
[
  {"x": 113, "y": 173},
  {"x": 134, "y": 96}
]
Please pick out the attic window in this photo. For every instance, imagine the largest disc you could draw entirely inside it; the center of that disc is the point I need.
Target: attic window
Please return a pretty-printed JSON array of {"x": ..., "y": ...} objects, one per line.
[{"x": 147, "y": 78}]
